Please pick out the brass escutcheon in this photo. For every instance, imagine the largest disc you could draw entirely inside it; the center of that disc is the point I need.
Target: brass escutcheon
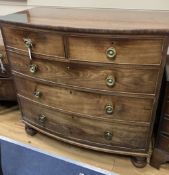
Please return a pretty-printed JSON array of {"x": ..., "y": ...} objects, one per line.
[{"x": 108, "y": 135}]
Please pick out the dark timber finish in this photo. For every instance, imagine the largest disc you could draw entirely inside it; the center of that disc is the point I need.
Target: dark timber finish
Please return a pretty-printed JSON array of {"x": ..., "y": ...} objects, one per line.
[
  {"x": 7, "y": 90},
  {"x": 74, "y": 90},
  {"x": 161, "y": 152}
]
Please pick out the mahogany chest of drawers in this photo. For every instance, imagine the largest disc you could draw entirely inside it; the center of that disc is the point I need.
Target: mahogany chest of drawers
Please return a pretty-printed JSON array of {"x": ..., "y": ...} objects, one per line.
[
  {"x": 7, "y": 90},
  {"x": 161, "y": 151},
  {"x": 89, "y": 77}
]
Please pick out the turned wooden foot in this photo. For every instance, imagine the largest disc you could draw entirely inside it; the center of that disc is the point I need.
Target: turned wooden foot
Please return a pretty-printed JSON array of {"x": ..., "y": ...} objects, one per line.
[
  {"x": 139, "y": 162},
  {"x": 159, "y": 157},
  {"x": 30, "y": 131}
]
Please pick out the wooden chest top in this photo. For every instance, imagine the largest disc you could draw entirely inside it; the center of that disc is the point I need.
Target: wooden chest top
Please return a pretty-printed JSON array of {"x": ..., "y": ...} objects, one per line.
[{"x": 94, "y": 20}]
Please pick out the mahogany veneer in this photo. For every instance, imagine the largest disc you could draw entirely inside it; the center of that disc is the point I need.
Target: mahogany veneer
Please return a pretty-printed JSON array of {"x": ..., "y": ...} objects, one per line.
[
  {"x": 7, "y": 90},
  {"x": 89, "y": 77}
]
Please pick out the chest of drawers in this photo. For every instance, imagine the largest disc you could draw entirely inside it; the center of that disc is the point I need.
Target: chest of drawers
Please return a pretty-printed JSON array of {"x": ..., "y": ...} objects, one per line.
[
  {"x": 161, "y": 151},
  {"x": 89, "y": 78},
  {"x": 7, "y": 90}
]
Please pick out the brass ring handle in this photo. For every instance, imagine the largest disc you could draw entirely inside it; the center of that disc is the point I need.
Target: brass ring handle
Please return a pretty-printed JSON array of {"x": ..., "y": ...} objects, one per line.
[
  {"x": 109, "y": 109},
  {"x": 110, "y": 81},
  {"x": 27, "y": 42},
  {"x": 28, "y": 45},
  {"x": 111, "y": 53},
  {"x": 33, "y": 68},
  {"x": 108, "y": 135},
  {"x": 37, "y": 94},
  {"x": 42, "y": 118}
]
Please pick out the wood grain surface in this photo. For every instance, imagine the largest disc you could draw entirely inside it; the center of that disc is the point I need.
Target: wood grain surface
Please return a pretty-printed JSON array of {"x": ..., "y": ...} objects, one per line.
[
  {"x": 5, "y": 62},
  {"x": 84, "y": 35},
  {"x": 93, "y": 20},
  {"x": 2, "y": 51},
  {"x": 88, "y": 104},
  {"x": 128, "y": 51},
  {"x": 45, "y": 42},
  {"x": 7, "y": 91},
  {"x": 91, "y": 131},
  {"x": 127, "y": 80}
]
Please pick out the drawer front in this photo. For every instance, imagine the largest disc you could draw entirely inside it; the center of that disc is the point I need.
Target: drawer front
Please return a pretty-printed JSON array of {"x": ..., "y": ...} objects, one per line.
[
  {"x": 43, "y": 42},
  {"x": 165, "y": 125},
  {"x": 87, "y": 131},
  {"x": 112, "y": 50},
  {"x": 164, "y": 143},
  {"x": 7, "y": 90},
  {"x": 88, "y": 104},
  {"x": 132, "y": 80}
]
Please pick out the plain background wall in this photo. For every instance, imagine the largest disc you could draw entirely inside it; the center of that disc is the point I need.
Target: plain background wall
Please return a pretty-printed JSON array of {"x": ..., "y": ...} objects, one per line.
[
  {"x": 12, "y": 6},
  {"x": 124, "y": 4}
]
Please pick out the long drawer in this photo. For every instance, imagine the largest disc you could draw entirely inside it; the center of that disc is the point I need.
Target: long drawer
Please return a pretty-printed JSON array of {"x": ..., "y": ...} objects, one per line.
[
  {"x": 40, "y": 42},
  {"x": 84, "y": 130},
  {"x": 116, "y": 50},
  {"x": 110, "y": 79},
  {"x": 89, "y": 104}
]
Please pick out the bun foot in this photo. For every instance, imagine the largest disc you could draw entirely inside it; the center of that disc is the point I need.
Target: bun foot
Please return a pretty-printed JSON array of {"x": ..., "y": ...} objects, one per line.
[
  {"x": 30, "y": 131},
  {"x": 139, "y": 162}
]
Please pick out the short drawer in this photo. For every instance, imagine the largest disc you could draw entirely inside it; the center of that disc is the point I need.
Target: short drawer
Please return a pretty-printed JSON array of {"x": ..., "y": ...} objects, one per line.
[
  {"x": 165, "y": 126},
  {"x": 113, "y": 50},
  {"x": 43, "y": 42},
  {"x": 88, "y": 104},
  {"x": 127, "y": 80},
  {"x": 7, "y": 90},
  {"x": 84, "y": 130},
  {"x": 164, "y": 143}
]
